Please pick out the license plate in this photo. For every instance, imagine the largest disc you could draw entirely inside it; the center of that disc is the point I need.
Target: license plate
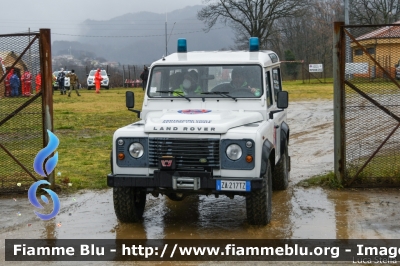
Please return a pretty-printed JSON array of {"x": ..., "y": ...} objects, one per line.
[{"x": 230, "y": 185}]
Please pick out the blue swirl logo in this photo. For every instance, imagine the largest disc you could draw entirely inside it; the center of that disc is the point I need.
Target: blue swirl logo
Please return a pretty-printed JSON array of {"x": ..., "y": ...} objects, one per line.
[
  {"x": 44, "y": 153},
  {"x": 49, "y": 167}
]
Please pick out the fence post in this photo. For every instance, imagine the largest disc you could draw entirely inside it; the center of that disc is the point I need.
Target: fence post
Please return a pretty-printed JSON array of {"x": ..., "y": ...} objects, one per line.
[
  {"x": 339, "y": 53},
  {"x": 47, "y": 90},
  {"x": 123, "y": 76}
]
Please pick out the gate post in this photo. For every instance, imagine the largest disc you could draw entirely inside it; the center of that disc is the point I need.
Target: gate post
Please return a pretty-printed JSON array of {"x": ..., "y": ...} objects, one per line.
[
  {"x": 339, "y": 53},
  {"x": 47, "y": 89}
]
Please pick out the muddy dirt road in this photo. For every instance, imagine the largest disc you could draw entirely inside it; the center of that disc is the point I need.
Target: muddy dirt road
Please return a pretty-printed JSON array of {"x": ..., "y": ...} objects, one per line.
[{"x": 297, "y": 213}]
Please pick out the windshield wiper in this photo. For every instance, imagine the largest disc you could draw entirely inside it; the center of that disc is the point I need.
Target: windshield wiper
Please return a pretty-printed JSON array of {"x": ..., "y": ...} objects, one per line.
[
  {"x": 180, "y": 94},
  {"x": 222, "y": 93}
]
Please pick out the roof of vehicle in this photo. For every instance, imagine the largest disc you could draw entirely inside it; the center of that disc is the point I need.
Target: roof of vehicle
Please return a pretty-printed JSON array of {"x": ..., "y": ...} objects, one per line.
[
  {"x": 66, "y": 71},
  {"x": 221, "y": 57}
]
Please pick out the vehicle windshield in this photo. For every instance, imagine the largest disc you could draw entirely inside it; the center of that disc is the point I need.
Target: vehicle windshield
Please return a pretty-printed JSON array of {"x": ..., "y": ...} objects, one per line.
[
  {"x": 92, "y": 72},
  {"x": 196, "y": 81}
]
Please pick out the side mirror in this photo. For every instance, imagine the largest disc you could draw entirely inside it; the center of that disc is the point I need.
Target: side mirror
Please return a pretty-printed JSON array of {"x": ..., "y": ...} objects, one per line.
[
  {"x": 130, "y": 99},
  {"x": 108, "y": 75},
  {"x": 283, "y": 99},
  {"x": 87, "y": 75},
  {"x": 396, "y": 65}
]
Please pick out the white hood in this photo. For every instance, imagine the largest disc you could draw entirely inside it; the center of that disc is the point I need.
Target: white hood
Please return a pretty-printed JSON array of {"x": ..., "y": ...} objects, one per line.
[{"x": 198, "y": 121}]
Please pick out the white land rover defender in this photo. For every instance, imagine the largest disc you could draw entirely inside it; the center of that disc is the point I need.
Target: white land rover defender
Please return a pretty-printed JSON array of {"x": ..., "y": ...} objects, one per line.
[{"x": 211, "y": 123}]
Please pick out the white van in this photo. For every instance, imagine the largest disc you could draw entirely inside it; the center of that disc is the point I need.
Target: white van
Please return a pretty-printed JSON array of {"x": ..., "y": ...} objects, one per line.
[{"x": 105, "y": 83}]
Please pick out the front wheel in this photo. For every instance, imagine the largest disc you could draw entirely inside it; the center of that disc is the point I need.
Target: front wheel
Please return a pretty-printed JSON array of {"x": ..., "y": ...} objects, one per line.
[
  {"x": 129, "y": 204},
  {"x": 259, "y": 202}
]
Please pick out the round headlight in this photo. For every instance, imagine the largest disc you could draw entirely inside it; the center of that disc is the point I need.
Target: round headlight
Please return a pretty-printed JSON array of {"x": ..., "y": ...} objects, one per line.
[
  {"x": 234, "y": 152},
  {"x": 136, "y": 150}
]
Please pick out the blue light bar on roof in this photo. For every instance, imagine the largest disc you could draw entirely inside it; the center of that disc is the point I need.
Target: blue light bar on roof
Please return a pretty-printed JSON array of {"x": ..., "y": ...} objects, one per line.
[
  {"x": 182, "y": 46},
  {"x": 254, "y": 45}
]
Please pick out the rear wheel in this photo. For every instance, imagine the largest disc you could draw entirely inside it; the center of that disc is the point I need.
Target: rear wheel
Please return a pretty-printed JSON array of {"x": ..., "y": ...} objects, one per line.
[
  {"x": 107, "y": 87},
  {"x": 129, "y": 204},
  {"x": 281, "y": 172},
  {"x": 259, "y": 202},
  {"x": 89, "y": 88}
]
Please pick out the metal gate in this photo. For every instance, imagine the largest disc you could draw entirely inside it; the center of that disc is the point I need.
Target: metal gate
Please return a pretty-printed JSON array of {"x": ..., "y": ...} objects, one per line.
[
  {"x": 367, "y": 104},
  {"x": 26, "y": 108}
]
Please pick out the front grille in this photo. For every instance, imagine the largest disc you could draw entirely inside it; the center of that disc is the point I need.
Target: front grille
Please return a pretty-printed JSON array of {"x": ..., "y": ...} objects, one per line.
[{"x": 188, "y": 153}]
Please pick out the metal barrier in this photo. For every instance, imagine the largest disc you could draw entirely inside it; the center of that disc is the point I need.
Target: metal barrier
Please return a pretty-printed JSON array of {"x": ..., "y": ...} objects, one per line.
[
  {"x": 26, "y": 107},
  {"x": 367, "y": 105}
]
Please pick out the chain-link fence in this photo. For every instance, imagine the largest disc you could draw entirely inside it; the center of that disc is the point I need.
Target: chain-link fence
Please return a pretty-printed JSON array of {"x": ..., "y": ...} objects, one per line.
[
  {"x": 370, "y": 113},
  {"x": 21, "y": 112}
]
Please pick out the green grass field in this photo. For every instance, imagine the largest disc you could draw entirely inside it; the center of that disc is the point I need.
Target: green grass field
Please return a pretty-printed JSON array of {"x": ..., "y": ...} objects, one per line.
[
  {"x": 85, "y": 126},
  {"x": 299, "y": 91}
]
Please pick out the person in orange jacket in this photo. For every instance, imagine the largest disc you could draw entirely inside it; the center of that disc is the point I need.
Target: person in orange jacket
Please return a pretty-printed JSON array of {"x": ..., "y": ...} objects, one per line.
[
  {"x": 97, "y": 80},
  {"x": 38, "y": 81},
  {"x": 26, "y": 83},
  {"x": 7, "y": 82}
]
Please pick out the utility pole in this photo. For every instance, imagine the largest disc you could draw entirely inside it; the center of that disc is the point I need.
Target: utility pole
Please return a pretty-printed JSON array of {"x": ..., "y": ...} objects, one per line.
[
  {"x": 30, "y": 58},
  {"x": 166, "y": 42},
  {"x": 30, "y": 55}
]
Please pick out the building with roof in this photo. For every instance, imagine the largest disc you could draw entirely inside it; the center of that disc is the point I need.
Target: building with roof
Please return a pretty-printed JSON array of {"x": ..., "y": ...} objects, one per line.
[{"x": 383, "y": 45}]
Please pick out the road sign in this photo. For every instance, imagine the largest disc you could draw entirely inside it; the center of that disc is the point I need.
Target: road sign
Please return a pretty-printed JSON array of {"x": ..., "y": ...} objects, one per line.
[{"x": 315, "y": 68}]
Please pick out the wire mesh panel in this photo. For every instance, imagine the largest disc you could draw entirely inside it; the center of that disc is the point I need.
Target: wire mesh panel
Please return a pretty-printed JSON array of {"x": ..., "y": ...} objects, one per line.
[
  {"x": 372, "y": 105},
  {"x": 21, "y": 130}
]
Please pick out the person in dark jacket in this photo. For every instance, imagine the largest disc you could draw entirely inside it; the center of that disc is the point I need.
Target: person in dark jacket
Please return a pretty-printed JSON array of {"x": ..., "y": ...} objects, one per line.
[
  {"x": 15, "y": 83},
  {"x": 144, "y": 76},
  {"x": 60, "y": 80}
]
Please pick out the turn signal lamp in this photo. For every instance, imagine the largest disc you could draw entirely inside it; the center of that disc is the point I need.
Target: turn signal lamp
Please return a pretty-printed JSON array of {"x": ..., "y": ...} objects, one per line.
[
  {"x": 182, "y": 46},
  {"x": 121, "y": 156},
  {"x": 249, "y": 158},
  {"x": 254, "y": 45}
]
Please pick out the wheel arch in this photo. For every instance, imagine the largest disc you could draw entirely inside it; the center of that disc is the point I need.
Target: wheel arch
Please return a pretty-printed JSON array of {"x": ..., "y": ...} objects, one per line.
[
  {"x": 268, "y": 152},
  {"x": 284, "y": 136}
]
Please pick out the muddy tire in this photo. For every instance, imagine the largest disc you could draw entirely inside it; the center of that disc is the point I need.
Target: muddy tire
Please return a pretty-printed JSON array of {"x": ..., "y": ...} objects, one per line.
[
  {"x": 129, "y": 204},
  {"x": 259, "y": 202},
  {"x": 280, "y": 180}
]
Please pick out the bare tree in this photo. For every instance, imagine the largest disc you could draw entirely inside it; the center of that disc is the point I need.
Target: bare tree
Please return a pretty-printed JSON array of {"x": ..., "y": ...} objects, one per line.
[
  {"x": 251, "y": 18},
  {"x": 374, "y": 11},
  {"x": 309, "y": 37}
]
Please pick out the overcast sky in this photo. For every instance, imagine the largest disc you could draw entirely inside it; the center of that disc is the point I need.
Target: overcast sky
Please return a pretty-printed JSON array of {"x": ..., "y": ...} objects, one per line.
[{"x": 63, "y": 17}]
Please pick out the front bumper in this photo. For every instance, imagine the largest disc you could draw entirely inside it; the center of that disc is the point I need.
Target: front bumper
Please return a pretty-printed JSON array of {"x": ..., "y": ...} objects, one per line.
[
  {"x": 102, "y": 83},
  {"x": 176, "y": 180}
]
